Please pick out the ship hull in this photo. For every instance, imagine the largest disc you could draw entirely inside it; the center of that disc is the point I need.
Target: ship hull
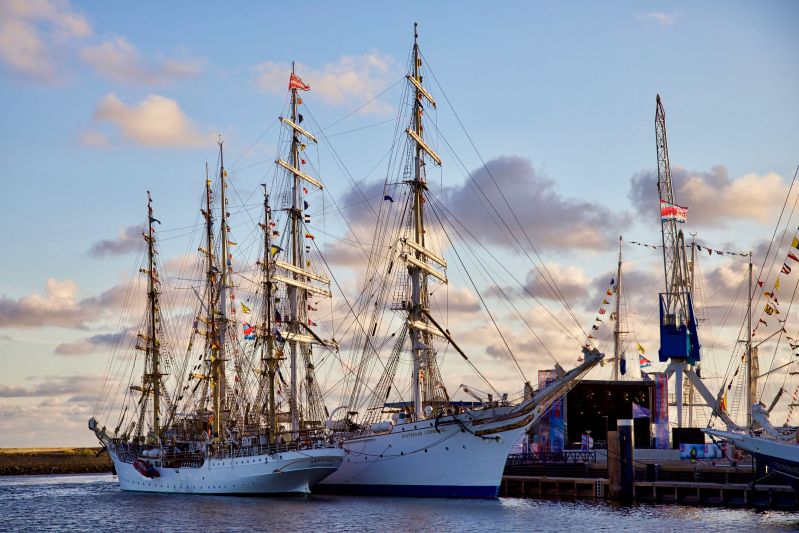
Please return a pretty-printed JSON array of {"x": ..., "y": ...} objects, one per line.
[
  {"x": 782, "y": 457},
  {"x": 455, "y": 459},
  {"x": 291, "y": 472}
]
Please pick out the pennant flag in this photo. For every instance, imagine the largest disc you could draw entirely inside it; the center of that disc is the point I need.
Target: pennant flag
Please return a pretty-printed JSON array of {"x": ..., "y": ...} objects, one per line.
[
  {"x": 640, "y": 348},
  {"x": 643, "y": 362},
  {"x": 763, "y": 322},
  {"x": 597, "y": 319},
  {"x": 595, "y": 327},
  {"x": 299, "y": 101},
  {"x": 312, "y": 308},
  {"x": 760, "y": 283},
  {"x": 296, "y": 83},
  {"x": 709, "y": 251},
  {"x": 153, "y": 219},
  {"x": 602, "y": 311},
  {"x": 672, "y": 212},
  {"x": 795, "y": 243},
  {"x": 723, "y": 403},
  {"x": 232, "y": 243},
  {"x": 791, "y": 256},
  {"x": 275, "y": 233},
  {"x": 640, "y": 412},
  {"x": 786, "y": 269},
  {"x": 311, "y": 322},
  {"x": 777, "y": 283},
  {"x": 244, "y": 308},
  {"x": 279, "y": 337},
  {"x": 249, "y": 331},
  {"x": 309, "y": 236},
  {"x": 770, "y": 310},
  {"x": 305, "y": 190},
  {"x": 300, "y": 118},
  {"x": 276, "y": 249},
  {"x": 605, "y": 301},
  {"x": 278, "y": 318},
  {"x": 769, "y": 294},
  {"x": 388, "y": 198},
  {"x": 610, "y": 292},
  {"x": 305, "y": 204},
  {"x": 591, "y": 337},
  {"x": 302, "y": 161},
  {"x": 613, "y": 281}
]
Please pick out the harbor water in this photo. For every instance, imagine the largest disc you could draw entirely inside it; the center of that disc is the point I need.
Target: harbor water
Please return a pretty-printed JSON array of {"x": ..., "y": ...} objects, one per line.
[{"x": 95, "y": 503}]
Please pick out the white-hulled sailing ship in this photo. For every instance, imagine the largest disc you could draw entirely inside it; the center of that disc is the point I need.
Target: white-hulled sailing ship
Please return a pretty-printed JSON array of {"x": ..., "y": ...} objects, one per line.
[
  {"x": 232, "y": 423},
  {"x": 426, "y": 445}
]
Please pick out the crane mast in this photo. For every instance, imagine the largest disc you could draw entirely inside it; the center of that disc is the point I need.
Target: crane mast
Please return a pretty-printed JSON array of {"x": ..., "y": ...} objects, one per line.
[{"x": 678, "y": 333}]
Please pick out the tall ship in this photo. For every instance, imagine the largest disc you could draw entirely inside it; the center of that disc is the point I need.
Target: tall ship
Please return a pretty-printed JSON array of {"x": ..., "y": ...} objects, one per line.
[
  {"x": 221, "y": 396},
  {"x": 403, "y": 433}
]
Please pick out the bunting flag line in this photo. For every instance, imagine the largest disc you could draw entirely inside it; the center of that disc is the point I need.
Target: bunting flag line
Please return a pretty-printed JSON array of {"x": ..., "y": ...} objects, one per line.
[
  {"x": 643, "y": 362},
  {"x": 700, "y": 247}
]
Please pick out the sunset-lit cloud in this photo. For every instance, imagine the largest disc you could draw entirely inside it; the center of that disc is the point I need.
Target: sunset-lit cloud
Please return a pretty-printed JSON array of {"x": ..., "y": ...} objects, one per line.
[
  {"x": 118, "y": 60},
  {"x": 155, "y": 122},
  {"x": 128, "y": 240},
  {"x": 32, "y": 33},
  {"x": 349, "y": 80}
]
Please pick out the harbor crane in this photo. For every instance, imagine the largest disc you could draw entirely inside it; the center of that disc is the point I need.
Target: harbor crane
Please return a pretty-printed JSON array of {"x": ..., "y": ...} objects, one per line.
[{"x": 679, "y": 339}]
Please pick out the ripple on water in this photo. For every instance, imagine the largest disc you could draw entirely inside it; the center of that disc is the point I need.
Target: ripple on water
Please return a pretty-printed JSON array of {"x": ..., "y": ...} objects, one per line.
[{"x": 92, "y": 502}]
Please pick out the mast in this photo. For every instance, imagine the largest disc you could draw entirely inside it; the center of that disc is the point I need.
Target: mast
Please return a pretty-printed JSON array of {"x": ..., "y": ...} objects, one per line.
[
  {"x": 749, "y": 392},
  {"x": 154, "y": 376},
  {"x": 418, "y": 278},
  {"x": 268, "y": 359},
  {"x": 223, "y": 286},
  {"x": 296, "y": 251},
  {"x": 210, "y": 274},
  {"x": 692, "y": 287},
  {"x": 617, "y": 327}
]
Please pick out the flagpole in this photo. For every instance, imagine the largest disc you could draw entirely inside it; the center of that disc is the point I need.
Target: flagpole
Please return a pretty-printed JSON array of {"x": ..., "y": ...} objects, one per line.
[{"x": 617, "y": 326}]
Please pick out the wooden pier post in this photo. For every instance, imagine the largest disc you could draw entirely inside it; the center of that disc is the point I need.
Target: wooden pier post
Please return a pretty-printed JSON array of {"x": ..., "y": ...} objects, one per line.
[{"x": 626, "y": 457}]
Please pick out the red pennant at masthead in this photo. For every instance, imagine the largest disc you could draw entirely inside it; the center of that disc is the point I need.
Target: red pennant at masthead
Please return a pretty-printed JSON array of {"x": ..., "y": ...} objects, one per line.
[{"x": 296, "y": 83}]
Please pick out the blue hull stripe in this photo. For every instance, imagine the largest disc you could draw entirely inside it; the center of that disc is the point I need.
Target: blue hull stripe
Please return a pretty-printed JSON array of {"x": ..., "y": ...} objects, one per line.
[{"x": 419, "y": 491}]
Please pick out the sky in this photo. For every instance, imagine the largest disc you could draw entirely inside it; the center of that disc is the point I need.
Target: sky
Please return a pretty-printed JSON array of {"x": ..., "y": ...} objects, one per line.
[{"x": 102, "y": 103}]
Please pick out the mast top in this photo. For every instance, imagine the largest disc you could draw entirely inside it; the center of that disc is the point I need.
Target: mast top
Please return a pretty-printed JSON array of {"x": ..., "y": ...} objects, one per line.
[{"x": 415, "y": 32}]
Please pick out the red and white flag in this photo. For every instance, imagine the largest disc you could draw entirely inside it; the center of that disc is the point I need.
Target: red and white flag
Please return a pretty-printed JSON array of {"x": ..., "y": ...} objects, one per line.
[
  {"x": 296, "y": 83},
  {"x": 672, "y": 212}
]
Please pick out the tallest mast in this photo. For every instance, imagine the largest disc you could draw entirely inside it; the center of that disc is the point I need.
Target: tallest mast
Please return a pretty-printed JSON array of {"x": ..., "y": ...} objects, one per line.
[
  {"x": 296, "y": 261},
  {"x": 417, "y": 279},
  {"x": 154, "y": 376},
  {"x": 418, "y": 255}
]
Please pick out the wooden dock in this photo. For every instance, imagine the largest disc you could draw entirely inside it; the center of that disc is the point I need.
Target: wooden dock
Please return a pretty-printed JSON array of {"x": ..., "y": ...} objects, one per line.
[{"x": 673, "y": 492}]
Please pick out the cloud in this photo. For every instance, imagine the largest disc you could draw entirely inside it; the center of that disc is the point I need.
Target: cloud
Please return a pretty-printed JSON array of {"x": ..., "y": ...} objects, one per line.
[
  {"x": 713, "y": 198},
  {"x": 59, "y": 307},
  {"x": 32, "y": 31},
  {"x": 95, "y": 343},
  {"x": 659, "y": 17},
  {"x": 128, "y": 240},
  {"x": 94, "y": 139},
  {"x": 156, "y": 121},
  {"x": 570, "y": 280},
  {"x": 349, "y": 80},
  {"x": 118, "y": 60},
  {"x": 549, "y": 218},
  {"x": 51, "y": 386}
]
